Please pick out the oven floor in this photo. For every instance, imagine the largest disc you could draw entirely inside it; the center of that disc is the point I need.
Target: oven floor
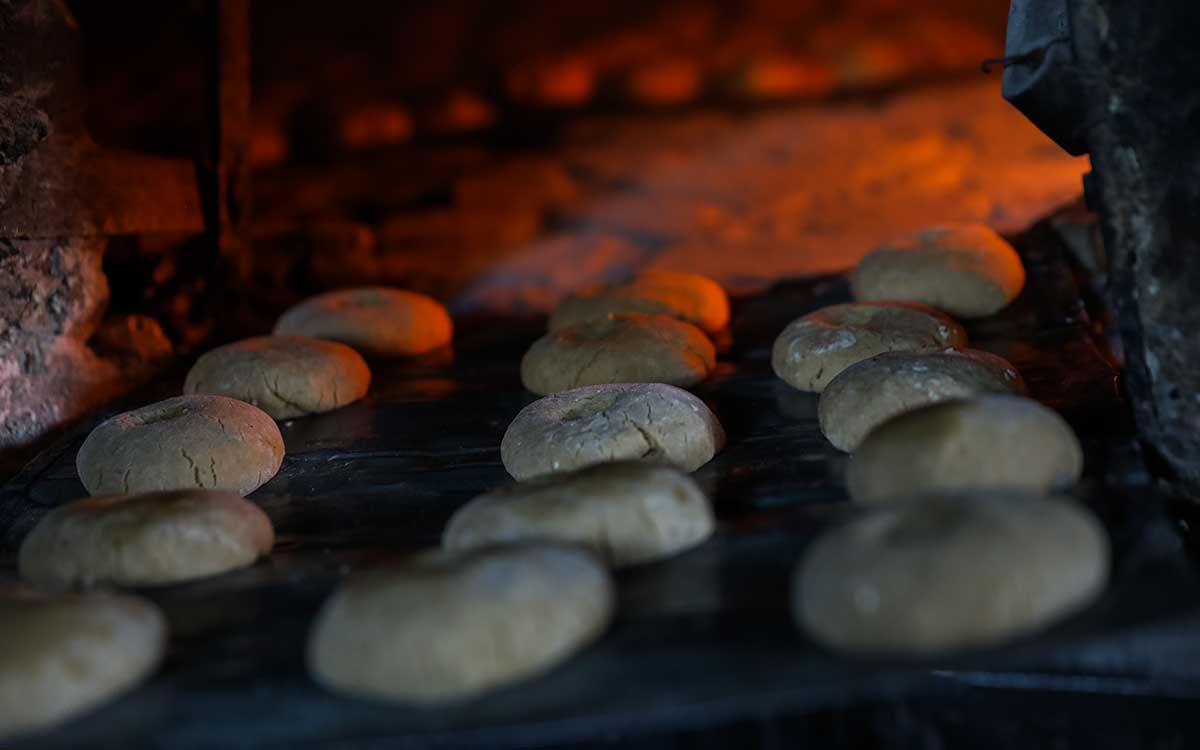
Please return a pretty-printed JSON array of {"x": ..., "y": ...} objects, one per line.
[{"x": 702, "y": 643}]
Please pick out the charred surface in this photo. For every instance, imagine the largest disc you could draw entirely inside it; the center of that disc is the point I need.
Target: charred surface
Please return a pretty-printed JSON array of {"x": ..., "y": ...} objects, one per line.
[{"x": 1141, "y": 63}]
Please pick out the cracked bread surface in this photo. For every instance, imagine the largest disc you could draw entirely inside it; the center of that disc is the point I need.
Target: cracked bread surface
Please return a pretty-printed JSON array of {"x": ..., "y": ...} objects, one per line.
[
  {"x": 813, "y": 349},
  {"x": 618, "y": 348},
  {"x": 285, "y": 376},
  {"x": 186, "y": 442},
  {"x": 610, "y": 422},
  {"x": 868, "y": 393}
]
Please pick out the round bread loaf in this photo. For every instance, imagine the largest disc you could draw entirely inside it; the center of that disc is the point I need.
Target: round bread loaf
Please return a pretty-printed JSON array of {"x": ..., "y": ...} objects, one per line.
[
  {"x": 377, "y": 321},
  {"x": 186, "y": 442},
  {"x": 815, "y": 348},
  {"x": 689, "y": 297},
  {"x": 967, "y": 270},
  {"x": 983, "y": 442},
  {"x": 950, "y": 572},
  {"x": 61, "y": 655},
  {"x": 869, "y": 393},
  {"x": 618, "y": 348},
  {"x": 447, "y": 626},
  {"x": 142, "y": 540},
  {"x": 599, "y": 423},
  {"x": 285, "y": 376},
  {"x": 627, "y": 512}
]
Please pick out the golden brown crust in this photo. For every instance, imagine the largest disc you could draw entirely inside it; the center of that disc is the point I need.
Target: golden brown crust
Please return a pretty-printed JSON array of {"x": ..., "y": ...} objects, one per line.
[
  {"x": 689, "y": 297},
  {"x": 377, "y": 321}
]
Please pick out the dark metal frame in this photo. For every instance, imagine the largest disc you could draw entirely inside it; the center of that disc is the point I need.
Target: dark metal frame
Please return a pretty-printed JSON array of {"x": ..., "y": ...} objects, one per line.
[{"x": 1121, "y": 82}]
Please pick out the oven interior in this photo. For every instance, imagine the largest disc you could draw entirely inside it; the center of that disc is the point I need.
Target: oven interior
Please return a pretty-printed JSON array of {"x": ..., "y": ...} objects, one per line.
[{"x": 174, "y": 176}]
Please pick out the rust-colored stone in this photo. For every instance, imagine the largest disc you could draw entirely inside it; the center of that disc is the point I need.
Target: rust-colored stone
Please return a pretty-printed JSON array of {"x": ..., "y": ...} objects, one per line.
[
  {"x": 50, "y": 304},
  {"x": 137, "y": 342}
]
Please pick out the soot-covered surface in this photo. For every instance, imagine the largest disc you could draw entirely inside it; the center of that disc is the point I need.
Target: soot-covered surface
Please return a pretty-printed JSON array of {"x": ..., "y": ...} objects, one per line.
[{"x": 702, "y": 640}]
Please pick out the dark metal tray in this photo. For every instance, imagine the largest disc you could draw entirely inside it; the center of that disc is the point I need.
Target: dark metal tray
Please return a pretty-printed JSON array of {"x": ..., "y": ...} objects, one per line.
[{"x": 702, "y": 640}]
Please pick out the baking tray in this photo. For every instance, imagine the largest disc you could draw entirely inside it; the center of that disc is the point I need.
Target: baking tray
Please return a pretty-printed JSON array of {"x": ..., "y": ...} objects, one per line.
[{"x": 701, "y": 640}]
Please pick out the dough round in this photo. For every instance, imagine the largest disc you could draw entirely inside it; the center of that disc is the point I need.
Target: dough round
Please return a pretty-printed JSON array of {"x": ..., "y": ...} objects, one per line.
[
  {"x": 967, "y": 270},
  {"x": 449, "y": 626},
  {"x": 186, "y": 442},
  {"x": 141, "y": 540},
  {"x": 61, "y": 655},
  {"x": 951, "y": 572},
  {"x": 377, "y": 321},
  {"x": 984, "y": 442},
  {"x": 689, "y": 297},
  {"x": 618, "y": 348},
  {"x": 285, "y": 376},
  {"x": 869, "y": 393},
  {"x": 815, "y": 348},
  {"x": 599, "y": 423},
  {"x": 627, "y": 512}
]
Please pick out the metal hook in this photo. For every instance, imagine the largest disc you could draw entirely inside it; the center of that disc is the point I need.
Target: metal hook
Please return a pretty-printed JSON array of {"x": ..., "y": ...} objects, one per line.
[{"x": 1034, "y": 55}]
